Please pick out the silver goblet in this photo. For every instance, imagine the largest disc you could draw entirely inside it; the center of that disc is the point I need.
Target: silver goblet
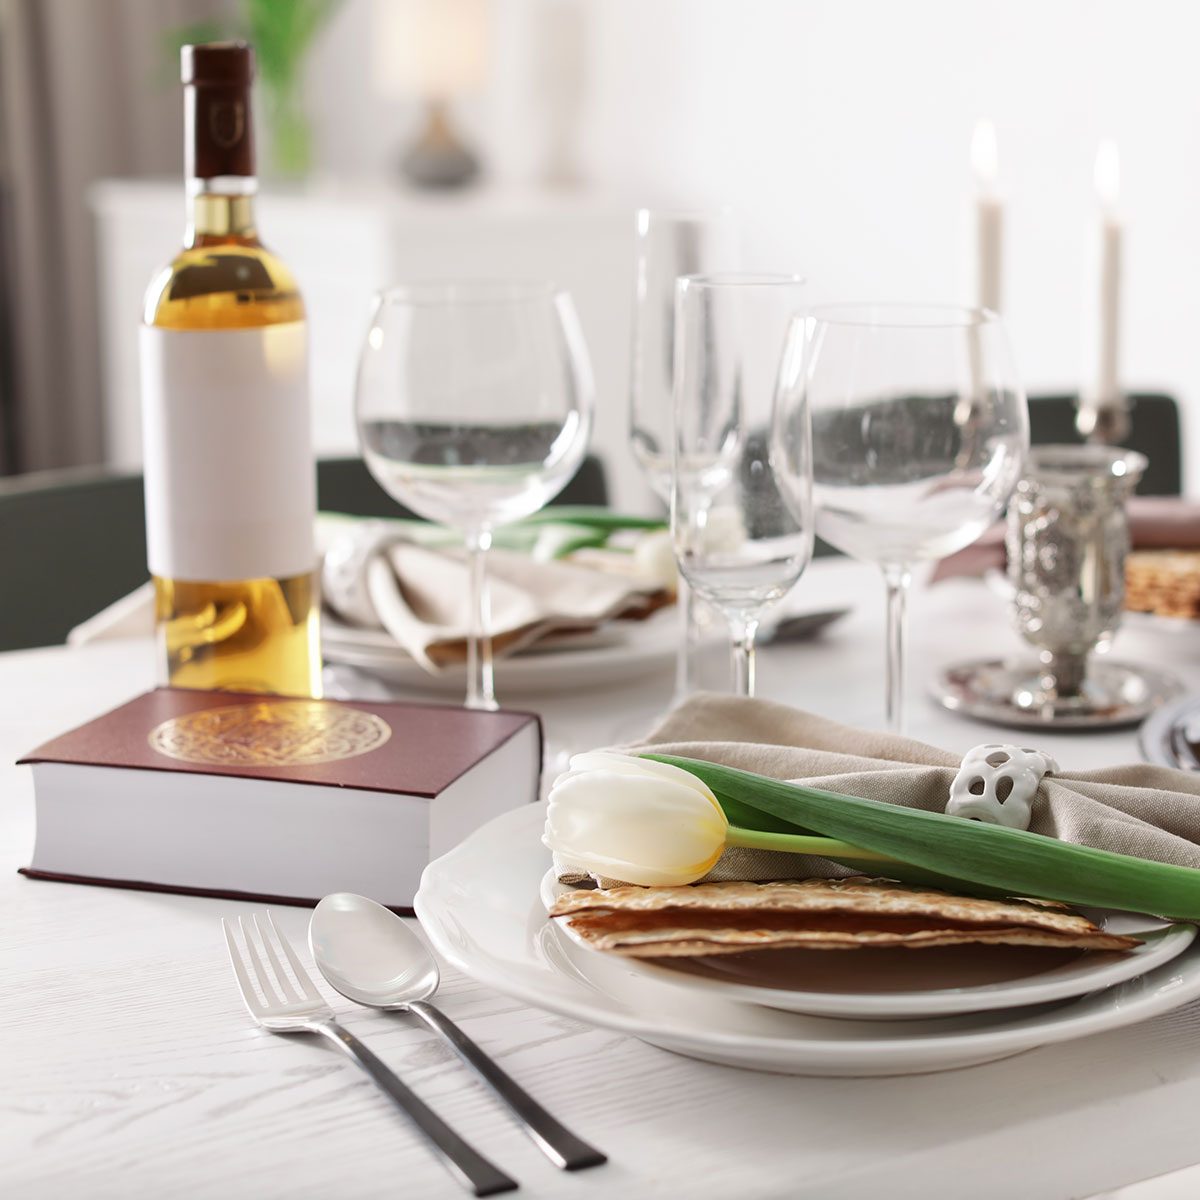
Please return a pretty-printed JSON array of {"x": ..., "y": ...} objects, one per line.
[{"x": 1067, "y": 540}]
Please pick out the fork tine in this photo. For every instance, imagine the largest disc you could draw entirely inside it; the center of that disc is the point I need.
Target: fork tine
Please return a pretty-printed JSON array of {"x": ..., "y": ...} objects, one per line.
[
  {"x": 271, "y": 997},
  {"x": 286, "y": 986},
  {"x": 239, "y": 970},
  {"x": 302, "y": 976}
]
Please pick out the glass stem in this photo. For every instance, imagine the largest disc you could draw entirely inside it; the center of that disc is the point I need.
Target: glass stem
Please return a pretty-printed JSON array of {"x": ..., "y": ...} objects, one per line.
[
  {"x": 481, "y": 690},
  {"x": 685, "y": 672},
  {"x": 897, "y": 578},
  {"x": 742, "y": 631}
]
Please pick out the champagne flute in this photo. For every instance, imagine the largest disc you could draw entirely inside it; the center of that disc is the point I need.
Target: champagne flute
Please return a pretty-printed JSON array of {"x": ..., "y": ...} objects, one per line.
[
  {"x": 741, "y": 539},
  {"x": 919, "y": 433},
  {"x": 668, "y": 245},
  {"x": 474, "y": 408}
]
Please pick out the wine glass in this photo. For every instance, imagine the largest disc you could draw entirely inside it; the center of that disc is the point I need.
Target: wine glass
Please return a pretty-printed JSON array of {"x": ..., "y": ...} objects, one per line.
[
  {"x": 474, "y": 408},
  {"x": 919, "y": 433},
  {"x": 741, "y": 540},
  {"x": 668, "y": 245}
]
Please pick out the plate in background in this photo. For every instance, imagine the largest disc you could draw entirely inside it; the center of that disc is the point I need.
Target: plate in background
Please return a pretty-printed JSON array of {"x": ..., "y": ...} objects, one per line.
[{"x": 616, "y": 652}]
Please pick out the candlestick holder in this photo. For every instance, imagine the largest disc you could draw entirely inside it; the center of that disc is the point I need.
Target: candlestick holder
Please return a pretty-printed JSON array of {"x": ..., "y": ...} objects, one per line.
[{"x": 1104, "y": 422}]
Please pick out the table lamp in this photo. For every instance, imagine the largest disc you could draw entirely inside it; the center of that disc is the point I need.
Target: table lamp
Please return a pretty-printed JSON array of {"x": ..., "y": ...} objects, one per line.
[{"x": 435, "y": 50}]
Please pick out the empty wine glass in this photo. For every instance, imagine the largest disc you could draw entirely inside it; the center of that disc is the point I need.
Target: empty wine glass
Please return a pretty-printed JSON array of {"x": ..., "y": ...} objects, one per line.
[
  {"x": 919, "y": 432},
  {"x": 474, "y": 408},
  {"x": 666, "y": 246},
  {"x": 741, "y": 540}
]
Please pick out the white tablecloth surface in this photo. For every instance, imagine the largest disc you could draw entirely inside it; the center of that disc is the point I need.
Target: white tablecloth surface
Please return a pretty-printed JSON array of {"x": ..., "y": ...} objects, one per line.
[{"x": 128, "y": 1066}]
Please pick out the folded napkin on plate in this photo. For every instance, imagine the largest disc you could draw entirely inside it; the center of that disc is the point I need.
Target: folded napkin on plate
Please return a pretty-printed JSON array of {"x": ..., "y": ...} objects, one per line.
[
  {"x": 420, "y": 595},
  {"x": 1149, "y": 812},
  {"x": 532, "y": 593},
  {"x": 1155, "y": 523}
]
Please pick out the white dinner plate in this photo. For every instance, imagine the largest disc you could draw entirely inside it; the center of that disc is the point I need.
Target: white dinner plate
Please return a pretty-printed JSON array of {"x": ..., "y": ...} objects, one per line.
[
  {"x": 481, "y": 908},
  {"x": 617, "y": 652},
  {"x": 905, "y": 985}
]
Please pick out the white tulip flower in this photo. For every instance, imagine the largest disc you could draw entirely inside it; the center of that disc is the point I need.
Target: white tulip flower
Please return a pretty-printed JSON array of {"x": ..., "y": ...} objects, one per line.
[{"x": 634, "y": 819}]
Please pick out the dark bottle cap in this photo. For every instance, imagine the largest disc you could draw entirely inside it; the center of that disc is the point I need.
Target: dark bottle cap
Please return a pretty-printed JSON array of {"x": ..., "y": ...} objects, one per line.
[
  {"x": 228, "y": 64},
  {"x": 220, "y": 133}
]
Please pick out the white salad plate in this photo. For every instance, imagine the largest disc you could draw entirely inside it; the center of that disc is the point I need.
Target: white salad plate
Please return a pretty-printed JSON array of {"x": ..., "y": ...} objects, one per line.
[
  {"x": 615, "y": 653},
  {"x": 482, "y": 909},
  {"x": 905, "y": 985}
]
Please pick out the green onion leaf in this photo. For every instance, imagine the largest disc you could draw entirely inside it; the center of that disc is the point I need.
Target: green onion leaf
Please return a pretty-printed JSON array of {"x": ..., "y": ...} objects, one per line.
[
  {"x": 592, "y": 515},
  {"x": 746, "y": 816},
  {"x": 1013, "y": 861},
  {"x": 865, "y": 862}
]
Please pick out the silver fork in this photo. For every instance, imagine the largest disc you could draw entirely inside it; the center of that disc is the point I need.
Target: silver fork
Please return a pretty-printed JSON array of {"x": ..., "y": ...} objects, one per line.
[{"x": 286, "y": 1005}]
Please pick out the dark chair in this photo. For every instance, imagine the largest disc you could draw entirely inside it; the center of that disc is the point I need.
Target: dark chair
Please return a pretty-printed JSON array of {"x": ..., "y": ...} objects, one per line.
[
  {"x": 72, "y": 542},
  {"x": 1153, "y": 431},
  {"x": 345, "y": 485}
]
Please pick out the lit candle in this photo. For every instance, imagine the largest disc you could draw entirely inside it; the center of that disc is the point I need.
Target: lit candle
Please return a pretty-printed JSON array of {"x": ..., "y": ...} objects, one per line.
[
  {"x": 1106, "y": 386},
  {"x": 989, "y": 217}
]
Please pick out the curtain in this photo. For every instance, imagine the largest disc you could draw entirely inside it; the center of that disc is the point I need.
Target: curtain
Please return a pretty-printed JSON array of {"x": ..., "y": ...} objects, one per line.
[{"x": 87, "y": 90}]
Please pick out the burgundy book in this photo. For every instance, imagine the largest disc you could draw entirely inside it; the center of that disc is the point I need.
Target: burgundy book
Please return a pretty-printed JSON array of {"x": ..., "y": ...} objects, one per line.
[{"x": 266, "y": 798}]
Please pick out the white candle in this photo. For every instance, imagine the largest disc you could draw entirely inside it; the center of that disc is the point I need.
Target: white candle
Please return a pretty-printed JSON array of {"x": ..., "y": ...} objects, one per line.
[
  {"x": 1106, "y": 384},
  {"x": 989, "y": 217}
]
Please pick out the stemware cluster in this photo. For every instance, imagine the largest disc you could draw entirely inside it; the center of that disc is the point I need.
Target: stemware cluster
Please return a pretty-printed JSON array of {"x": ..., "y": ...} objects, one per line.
[{"x": 894, "y": 432}]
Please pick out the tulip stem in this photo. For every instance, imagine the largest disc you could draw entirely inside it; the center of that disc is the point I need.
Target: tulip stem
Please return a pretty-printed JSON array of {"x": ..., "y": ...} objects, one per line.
[{"x": 795, "y": 843}]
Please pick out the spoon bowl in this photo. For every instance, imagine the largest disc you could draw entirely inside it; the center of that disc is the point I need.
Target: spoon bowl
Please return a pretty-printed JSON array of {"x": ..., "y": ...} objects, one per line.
[{"x": 368, "y": 954}]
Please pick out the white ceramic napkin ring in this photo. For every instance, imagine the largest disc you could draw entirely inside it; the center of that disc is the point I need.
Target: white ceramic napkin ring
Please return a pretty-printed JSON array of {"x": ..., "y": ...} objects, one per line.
[{"x": 996, "y": 783}]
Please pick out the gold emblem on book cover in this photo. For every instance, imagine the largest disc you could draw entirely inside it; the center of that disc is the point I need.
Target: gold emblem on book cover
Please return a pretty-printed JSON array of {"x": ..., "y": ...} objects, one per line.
[{"x": 271, "y": 733}]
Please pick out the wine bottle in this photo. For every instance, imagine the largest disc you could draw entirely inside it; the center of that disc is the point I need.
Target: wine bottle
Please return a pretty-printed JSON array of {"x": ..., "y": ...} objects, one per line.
[{"x": 230, "y": 479}]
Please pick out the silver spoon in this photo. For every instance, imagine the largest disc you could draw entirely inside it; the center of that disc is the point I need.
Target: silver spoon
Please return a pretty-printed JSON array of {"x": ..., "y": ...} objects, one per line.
[{"x": 370, "y": 956}]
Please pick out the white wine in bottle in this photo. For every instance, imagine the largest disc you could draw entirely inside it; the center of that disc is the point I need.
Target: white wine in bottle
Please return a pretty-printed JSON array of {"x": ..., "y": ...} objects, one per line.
[{"x": 230, "y": 478}]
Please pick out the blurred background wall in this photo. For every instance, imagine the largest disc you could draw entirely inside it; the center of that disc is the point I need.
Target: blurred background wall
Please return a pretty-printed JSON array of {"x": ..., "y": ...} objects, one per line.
[
  {"x": 839, "y": 129},
  {"x": 80, "y": 98}
]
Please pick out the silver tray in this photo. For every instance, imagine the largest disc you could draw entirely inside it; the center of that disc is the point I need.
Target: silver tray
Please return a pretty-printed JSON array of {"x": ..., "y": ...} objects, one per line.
[{"x": 1007, "y": 693}]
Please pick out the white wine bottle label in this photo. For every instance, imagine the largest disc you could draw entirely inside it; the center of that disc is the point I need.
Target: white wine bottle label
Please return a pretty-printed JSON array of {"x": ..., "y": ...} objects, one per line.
[{"x": 230, "y": 479}]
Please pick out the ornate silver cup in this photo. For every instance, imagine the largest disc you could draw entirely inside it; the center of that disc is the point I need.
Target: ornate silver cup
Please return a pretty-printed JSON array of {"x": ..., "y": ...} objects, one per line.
[{"x": 1067, "y": 541}]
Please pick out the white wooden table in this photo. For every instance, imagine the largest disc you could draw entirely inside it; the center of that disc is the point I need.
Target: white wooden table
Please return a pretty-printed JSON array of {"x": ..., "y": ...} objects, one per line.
[{"x": 128, "y": 1066}]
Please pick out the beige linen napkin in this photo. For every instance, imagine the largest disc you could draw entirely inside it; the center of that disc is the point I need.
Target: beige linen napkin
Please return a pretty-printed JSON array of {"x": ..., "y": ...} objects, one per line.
[
  {"x": 1150, "y": 812},
  {"x": 421, "y": 597}
]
